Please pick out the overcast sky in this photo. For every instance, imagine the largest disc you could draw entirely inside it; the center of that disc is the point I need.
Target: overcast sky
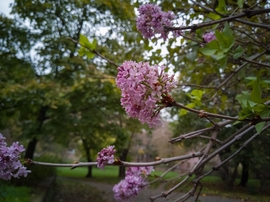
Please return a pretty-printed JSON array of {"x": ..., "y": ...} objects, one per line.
[{"x": 4, "y": 6}]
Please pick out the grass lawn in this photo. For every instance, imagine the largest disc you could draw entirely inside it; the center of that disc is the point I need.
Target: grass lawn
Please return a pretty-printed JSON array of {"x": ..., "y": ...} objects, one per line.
[
  {"x": 9, "y": 193},
  {"x": 212, "y": 185}
]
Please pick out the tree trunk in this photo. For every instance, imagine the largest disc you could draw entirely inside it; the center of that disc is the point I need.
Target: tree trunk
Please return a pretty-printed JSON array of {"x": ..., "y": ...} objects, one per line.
[
  {"x": 29, "y": 154},
  {"x": 122, "y": 169},
  {"x": 89, "y": 172},
  {"x": 87, "y": 152},
  {"x": 234, "y": 175},
  {"x": 244, "y": 174}
]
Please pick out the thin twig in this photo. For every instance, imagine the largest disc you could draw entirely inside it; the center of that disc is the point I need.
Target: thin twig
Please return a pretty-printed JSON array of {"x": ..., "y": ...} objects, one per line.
[
  {"x": 215, "y": 168},
  {"x": 199, "y": 132},
  {"x": 253, "y": 24},
  {"x": 254, "y": 62},
  {"x": 247, "y": 13}
]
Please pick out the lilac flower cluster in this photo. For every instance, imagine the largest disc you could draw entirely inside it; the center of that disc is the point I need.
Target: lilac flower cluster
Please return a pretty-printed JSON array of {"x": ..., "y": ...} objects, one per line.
[
  {"x": 105, "y": 156},
  {"x": 10, "y": 165},
  {"x": 135, "y": 180},
  {"x": 152, "y": 20},
  {"x": 210, "y": 36},
  {"x": 143, "y": 90}
]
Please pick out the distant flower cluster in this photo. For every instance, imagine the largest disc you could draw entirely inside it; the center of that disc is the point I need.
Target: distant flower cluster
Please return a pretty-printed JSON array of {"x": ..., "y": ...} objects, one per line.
[
  {"x": 210, "y": 36},
  {"x": 143, "y": 90},
  {"x": 105, "y": 156},
  {"x": 152, "y": 20},
  {"x": 135, "y": 180},
  {"x": 10, "y": 165}
]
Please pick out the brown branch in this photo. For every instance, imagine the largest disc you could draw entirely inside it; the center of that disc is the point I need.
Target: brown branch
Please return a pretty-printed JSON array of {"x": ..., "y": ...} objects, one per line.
[
  {"x": 199, "y": 132},
  {"x": 203, "y": 114},
  {"x": 254, "y": 62},
  {"x": 253, "y": 24}
]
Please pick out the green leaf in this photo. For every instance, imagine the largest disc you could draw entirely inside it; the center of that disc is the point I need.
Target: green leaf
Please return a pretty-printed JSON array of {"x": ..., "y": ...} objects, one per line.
[
  {"x": 255, "y": 95},
  {"x": 210, "y": 48},
  {"x": 223, "y": 62},
  {"x": 240, "y": 3},
  {"x": 227, "y": 30},
  {"x": 213, "y": 16},
  {"x": 83, "y": 51},
  {"x": 221, "y": 8},
  {"x": 238, "y": 52},
  {"x": 86, "y": 43},
  {"x": 197, "y": 94},
  {"x": 184, "y": 112},
  {"x": 83, "y": 40},
  {"x": 225, "y": 39},
  {"x": 259, "y": 127}
]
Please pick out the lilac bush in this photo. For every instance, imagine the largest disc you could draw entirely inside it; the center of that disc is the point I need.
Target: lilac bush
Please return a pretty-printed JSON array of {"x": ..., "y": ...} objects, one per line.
[
  {"x": 10, "y": 165},
  {"x": 134, "y": 181},
  {"x": 144, "y": 89},
  {"x": 152, "y": 20},
  {"x": 105, "y": 156}
]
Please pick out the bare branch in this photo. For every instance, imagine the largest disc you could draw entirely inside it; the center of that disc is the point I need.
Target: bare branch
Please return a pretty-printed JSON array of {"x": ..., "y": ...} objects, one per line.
[
  {"x": 118, "y": 163},
  {"x": 256, "y": 63}
]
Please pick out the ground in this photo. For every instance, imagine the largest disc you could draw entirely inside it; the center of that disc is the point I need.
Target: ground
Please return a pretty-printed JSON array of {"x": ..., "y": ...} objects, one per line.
[{"x": 107, "y": 193}]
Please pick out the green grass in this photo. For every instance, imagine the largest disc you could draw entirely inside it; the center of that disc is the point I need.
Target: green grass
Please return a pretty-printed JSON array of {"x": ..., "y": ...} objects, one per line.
[
  {"x": 80, "y": 172},
  {"x": 108, "y": 175},
  {"x": 9, "y": 193}
]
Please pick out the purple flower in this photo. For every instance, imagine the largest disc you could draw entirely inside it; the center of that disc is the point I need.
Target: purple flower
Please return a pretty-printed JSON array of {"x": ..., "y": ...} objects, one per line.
[
  {"x": 145, "y": 171},
  {"x": 105, "y": 156},
  {"x": 10, "y": 165},
  {"x": 144, "y": 88},
  {"x": 210, "y": 36},
  {"x": 152, "y": 20},
  {"x": 134, "y": 181}
]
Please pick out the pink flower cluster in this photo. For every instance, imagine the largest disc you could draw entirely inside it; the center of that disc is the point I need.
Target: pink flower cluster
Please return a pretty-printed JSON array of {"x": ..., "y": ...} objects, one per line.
[
  {"x": 143, "y": 90},
  {"x": 210, "y": 36},
  {"x": 135, "y": 180},
  {"x": 152, "y": 20},
  {"x": 10, "y": 165},
  {"x": 105, "y": 156}
]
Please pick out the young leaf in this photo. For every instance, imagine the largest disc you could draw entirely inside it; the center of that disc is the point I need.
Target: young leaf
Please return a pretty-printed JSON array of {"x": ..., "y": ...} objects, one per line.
[
  {"x": 83, "y": 40},
  {"x": 227, "y": 30},
  {"x": 221, "y": 8},
  {"x": 184, "y": 112},
  {"x": 210, "y": 48},
  {"x": 255, "y": 95},
  {"x": 240, "y": 3},
  {"x": 259, "y": 127},
  {"x": 197, "y": 94},
  {"x": 238, "y": 52}
]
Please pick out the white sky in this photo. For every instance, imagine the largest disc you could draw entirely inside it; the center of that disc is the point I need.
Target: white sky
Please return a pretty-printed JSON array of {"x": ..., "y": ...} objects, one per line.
[{"x": 4, "y": 7}]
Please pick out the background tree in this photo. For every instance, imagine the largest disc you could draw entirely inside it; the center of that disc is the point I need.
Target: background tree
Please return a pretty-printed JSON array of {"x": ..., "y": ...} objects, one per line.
[{"x": 53, "y": 68}]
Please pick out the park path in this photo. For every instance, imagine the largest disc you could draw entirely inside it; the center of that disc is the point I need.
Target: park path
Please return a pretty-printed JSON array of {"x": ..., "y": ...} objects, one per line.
[{"x": 146, "y": 193}]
